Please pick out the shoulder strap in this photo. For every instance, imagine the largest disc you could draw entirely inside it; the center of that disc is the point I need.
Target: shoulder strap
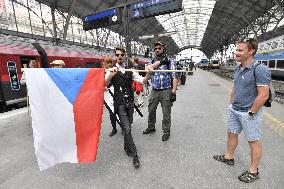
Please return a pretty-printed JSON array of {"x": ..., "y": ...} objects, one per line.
[{"x": 254, "y": 70}]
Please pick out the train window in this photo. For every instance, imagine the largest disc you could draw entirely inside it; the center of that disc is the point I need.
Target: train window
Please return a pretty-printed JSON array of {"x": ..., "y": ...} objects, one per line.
[
  {"x": 93, "y": 65},
  {"x": 271, "y": 63},
  {"x": 24, "y": 60},
  {"x": 280, "y": 64},
  {"x": 264, "y": 62}
]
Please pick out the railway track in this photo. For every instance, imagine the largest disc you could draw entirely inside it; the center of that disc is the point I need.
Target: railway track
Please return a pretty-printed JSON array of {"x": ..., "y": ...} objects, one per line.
[{"x": 278, "y": 85}]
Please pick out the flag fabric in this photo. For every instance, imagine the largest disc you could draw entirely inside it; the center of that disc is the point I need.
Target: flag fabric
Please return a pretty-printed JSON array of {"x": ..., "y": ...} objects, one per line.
[{"x": 66, "y": 109}]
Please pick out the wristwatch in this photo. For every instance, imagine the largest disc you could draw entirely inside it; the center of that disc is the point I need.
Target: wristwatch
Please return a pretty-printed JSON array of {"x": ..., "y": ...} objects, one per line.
[{"x": 251, "y": 113}]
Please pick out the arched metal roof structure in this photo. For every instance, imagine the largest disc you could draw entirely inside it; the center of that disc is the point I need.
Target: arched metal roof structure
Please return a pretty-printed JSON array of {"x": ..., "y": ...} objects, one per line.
[{"x": 195, "y": 26}]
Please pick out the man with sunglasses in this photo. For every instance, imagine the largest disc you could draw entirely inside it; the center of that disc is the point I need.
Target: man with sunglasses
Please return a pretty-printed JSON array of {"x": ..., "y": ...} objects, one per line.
[
  {"x": 124, "y": 98},
  {"x": 250, "y": 91},
  {"x": 164, "y": 85}
]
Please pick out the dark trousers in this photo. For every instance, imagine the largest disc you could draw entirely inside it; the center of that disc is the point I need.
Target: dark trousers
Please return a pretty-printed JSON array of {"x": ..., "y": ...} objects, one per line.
[
  {"x": 163, "y": 97},
  {"x": 112, "y": 120},
  {"x": 125, "y": 113}
]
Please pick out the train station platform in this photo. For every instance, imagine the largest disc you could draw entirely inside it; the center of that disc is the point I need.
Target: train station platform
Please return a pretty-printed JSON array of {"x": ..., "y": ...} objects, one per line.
[{"x": 199, "y": 119}]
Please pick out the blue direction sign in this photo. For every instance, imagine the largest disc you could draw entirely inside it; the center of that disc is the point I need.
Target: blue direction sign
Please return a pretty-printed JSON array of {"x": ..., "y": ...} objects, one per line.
[
  {"x": 102, "y": 19},
  {"x": 151, "y": 8},
  {"x": 12, "y": 70},
  {"x": 100, "y": 15}
]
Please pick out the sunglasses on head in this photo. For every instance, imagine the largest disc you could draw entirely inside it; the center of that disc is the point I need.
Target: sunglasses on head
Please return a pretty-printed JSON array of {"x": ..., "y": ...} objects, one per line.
[
  {"x": 247, "y": 40},
  {"x": 117, "y": 55}
]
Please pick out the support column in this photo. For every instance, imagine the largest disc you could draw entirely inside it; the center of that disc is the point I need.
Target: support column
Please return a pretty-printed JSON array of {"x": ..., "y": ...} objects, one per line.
[
  {"x": 70, "y": 12},
  {"x": 106, "y": 39},
  {"x": 126, "y": 32},
  {"x": 42, "y": 20},
  {"x": 15, "y": 18},
  {"x": 54, "y": 25},
  {"x": 98, "y": 42},
  {"x": 72, "y": 30},
  {"x": 30, "y": 18}
]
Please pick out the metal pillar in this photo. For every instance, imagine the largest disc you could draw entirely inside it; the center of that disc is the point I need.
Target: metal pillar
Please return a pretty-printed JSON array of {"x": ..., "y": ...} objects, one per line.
[
  {"x": 120, "y": 40},
  {"x": 54, "y": 25},
  {"x": 30, "y": 18},
  {"x": 72, "y": 31},
  {"x": 106, "y": 39},
  {"x": 15, "y": 18},
  {"x": 98, "y": 42},
  {"x": 42, "y": 22},
  {"x": 126, "y": 32},
  {"x": 67, "y": 22}
]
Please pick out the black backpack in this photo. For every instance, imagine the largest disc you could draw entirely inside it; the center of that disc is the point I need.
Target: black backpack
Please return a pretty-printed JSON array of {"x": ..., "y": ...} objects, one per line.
[{"x": 270, "y": 98}]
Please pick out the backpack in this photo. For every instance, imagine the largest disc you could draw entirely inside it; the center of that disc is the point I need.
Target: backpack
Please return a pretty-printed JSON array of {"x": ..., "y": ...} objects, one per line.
[{"x": 271, "y": 91}]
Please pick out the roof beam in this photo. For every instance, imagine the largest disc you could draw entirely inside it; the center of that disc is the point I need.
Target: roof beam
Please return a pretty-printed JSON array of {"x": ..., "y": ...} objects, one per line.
[{"x": 278, "y": 3}]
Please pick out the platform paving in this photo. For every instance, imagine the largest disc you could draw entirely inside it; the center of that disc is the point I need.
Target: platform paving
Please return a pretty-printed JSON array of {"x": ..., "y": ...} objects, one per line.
[{"x": 185, "y": 161}]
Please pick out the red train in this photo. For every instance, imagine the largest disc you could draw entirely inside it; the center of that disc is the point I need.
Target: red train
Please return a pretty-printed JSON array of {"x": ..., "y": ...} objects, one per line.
[{"x": 14, "y": 55}]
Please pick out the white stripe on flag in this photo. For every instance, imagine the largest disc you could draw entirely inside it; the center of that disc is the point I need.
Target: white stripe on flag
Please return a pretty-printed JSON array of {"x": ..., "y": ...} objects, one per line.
[{"x": 52, "y": 120}]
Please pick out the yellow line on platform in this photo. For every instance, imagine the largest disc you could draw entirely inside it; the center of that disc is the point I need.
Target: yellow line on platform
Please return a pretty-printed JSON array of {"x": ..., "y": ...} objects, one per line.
[{"x": 274, "y": 121}]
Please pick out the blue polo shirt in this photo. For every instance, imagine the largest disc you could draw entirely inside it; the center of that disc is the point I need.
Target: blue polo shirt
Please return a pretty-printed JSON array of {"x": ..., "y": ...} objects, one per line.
[{"x": 245, "y": 84}]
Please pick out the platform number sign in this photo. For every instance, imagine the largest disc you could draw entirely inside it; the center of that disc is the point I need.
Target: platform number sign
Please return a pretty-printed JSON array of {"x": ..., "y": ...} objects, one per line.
[{"x": 12, "y": 70}]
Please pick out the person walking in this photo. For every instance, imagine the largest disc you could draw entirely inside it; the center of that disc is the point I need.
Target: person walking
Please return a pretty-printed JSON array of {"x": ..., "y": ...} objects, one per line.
[{"x": 124, "y": 98}]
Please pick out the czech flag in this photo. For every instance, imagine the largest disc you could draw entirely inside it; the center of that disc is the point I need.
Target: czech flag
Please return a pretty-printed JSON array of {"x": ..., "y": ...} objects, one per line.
[{"x": 66, "y": 109}]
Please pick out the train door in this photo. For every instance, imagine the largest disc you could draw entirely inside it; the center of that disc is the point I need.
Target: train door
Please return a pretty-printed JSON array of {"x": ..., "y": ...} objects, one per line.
[{"x": 12, "y": 91}]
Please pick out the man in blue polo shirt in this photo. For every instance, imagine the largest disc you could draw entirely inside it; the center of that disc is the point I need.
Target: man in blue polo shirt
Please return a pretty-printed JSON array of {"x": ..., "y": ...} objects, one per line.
[
  {"x": 164, "y": 85},
  {"x": 250, "y": 91}
]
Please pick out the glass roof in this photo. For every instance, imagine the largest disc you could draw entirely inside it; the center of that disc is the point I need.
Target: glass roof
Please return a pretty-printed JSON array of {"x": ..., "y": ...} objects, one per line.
[{"x": 190, "y": 24}]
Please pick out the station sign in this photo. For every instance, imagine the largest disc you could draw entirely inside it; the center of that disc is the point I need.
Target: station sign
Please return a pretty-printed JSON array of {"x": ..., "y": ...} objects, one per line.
[
  {"x": 102, "y": 19},
  {"x": 149, "y": 8},
  {"x": 13, "y": 74}
]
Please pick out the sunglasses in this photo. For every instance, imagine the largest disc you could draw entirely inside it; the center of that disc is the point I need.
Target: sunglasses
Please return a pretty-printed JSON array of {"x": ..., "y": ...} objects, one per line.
[
  {"x": 247, "y": 40},
  {"x": 117, "y": 55},
  {"x": 158, "y": 48}
]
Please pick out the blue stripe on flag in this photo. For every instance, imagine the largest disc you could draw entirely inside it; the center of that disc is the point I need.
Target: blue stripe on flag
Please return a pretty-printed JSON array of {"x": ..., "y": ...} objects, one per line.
[{"x": 68, "y": 80}]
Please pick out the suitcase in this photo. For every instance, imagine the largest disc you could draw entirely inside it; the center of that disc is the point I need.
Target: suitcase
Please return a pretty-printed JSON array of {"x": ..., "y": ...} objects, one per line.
[{"x": 182, "y": 79}]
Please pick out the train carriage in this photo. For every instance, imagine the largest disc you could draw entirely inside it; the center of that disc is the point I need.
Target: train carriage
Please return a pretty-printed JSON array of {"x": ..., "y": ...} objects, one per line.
[
  {"x": 274, "y": 61},
  {"x": 271, "y": 53},
  {"x": 15, "y": 55}
]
